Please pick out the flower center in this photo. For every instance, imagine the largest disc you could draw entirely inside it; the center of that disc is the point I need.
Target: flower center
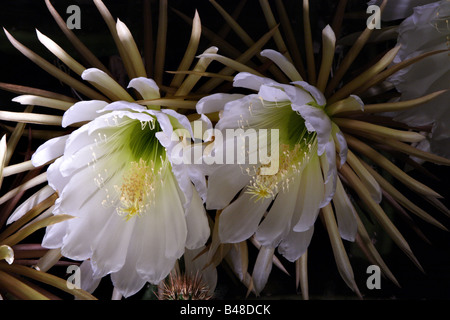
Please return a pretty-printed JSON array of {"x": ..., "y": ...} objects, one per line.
[
  {"x": 295, "y": 147},
  {"x": 291, "y": 163},
  {"x": 137, "y": 193}
]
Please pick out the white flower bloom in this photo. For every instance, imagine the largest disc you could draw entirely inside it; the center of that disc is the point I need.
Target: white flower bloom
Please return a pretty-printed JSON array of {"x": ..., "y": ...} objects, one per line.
[
  {"x": 136, "y": 211},
  {"x": 307, "y": 176},
  {"x": 425, "y": 31}
]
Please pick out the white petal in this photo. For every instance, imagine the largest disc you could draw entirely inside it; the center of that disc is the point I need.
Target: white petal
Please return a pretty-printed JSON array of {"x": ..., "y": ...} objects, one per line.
[
  {"x": 88, "y": 282},
  {"x": 30, "y": 203},
  {"x": 316, "y": 120},
  {"x": 278, "y": 220},
  {"x": 223, "y": 185},
  {"x": 54, "y": 235},
  {"x": 328, "y": 165},
  {"x": 181, "y": 174},
  {"x": 146, "y": 87},
  {"x": 92, "y": 213},
  {"x": 297, "y": 95},
  {"x": 153, "y": 265},
  {"x": 48, "y": 151},
  {"x": 107, "y": 84},
  {"x": 239, "y": 220},
  {"x": 251, "y": 81},
  {"x": 164, "y": 232},
  {"x": 345, "y": 213},
  {"x": 123, "y": 106},
  {"x": 81, "y": 159},
  {"x": 83, "y": 111},
  {"x": 198, "y": 178},
  {"x": 215, "y": 102},
  {"x": 164, "y": 122},
  {"x": 196, "y": 264},
  {"x": 77, "y": 140},
  {"x": 55, "y": 179},
  {"x": 182, "y": 119},
  {"x": 127, "y": 280},
  {"x": 197, "y": 223},
  {"x": 117, "y": 118},
  {"x": 262, "y": 268},
  {"x": 237, "y": 259},
  {"x": 295, "y": 244},
  {"x": 283, "y": 63},
  {"x": 310, "y": 197},
  {"x": 270, "y": 93},
  {"x": 206, "y": 128},
  {"x": 343, "y": 148},
  {"x": 109, "y": 248},
  {"x": 174, "y": 219},
  {"x": 316, "y": 93},
  {"x": 238, "y": 113}
]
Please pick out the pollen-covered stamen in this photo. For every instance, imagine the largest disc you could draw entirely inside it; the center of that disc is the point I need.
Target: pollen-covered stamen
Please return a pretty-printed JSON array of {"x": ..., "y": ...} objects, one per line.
[
  {"x": 291, "y": 162},
  {"x": 137, "y": 193}
]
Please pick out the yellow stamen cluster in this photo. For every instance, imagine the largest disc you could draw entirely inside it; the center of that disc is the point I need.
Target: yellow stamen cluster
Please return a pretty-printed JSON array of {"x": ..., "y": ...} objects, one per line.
[
  {"x": 137, "y": 192},
  {"x": 290, "y": 165}
]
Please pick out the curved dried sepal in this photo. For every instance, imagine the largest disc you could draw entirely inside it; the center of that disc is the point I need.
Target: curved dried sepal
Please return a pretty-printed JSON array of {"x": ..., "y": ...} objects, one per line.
[
  {"x": 131, "y": 48},
  {"x": 328, "y": 48},
  {"x": 18, "y": 89},
  {"x": 390, "y": 167},
  {"x": 32, "y": 227},
  {"x": 351, "y": 56},
  {"x": 28, "y": 99},
  {"x": 3, "y": 152},
  {"x": 78, "y": 45},
  {"x": 31, "y": 118},
  {"x": 161, "y": 40},
  {"x": 30, "y": 214},
  {"x": 48, "y": 279},
  {"x": 25, "y": 186},
  {"x": 19, "y": 289},
  {"x": 401, "y": 199},
  {"x": 6, "y": 253},
  {"x": 225, "y": 47},
  {"x": 353, "y": 85},
  {"x": 311, "y": 65},
  {"x": 243, "y": 58},
  {"x": 340, "y": 255},
  {"x": 378, "y": 213},
  {"x": 190, "y": 51},
  {"x": 233, "y": 64},
  {"x": 391, "y": 70},
  {"x": 401, "y": 105},
  {"x": 49, "y": 259},
  {"x": 410, "y": 150},
  {"x": 54, "y": 48},
  {"x": 377, "y": 130},
  {"x": 189, "y": 83},
  {"x": 169, "y": 102},
  {"x": 262, "y": 268},
  {"x": 16, "y": 134},
  {"x": 290, "y": 38},
  {"x": 54, "y": 71},
  {"x": 350, "y": 104},
  {"x": 363, "y": 239},
  {"x": 301, "y": 275}
]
